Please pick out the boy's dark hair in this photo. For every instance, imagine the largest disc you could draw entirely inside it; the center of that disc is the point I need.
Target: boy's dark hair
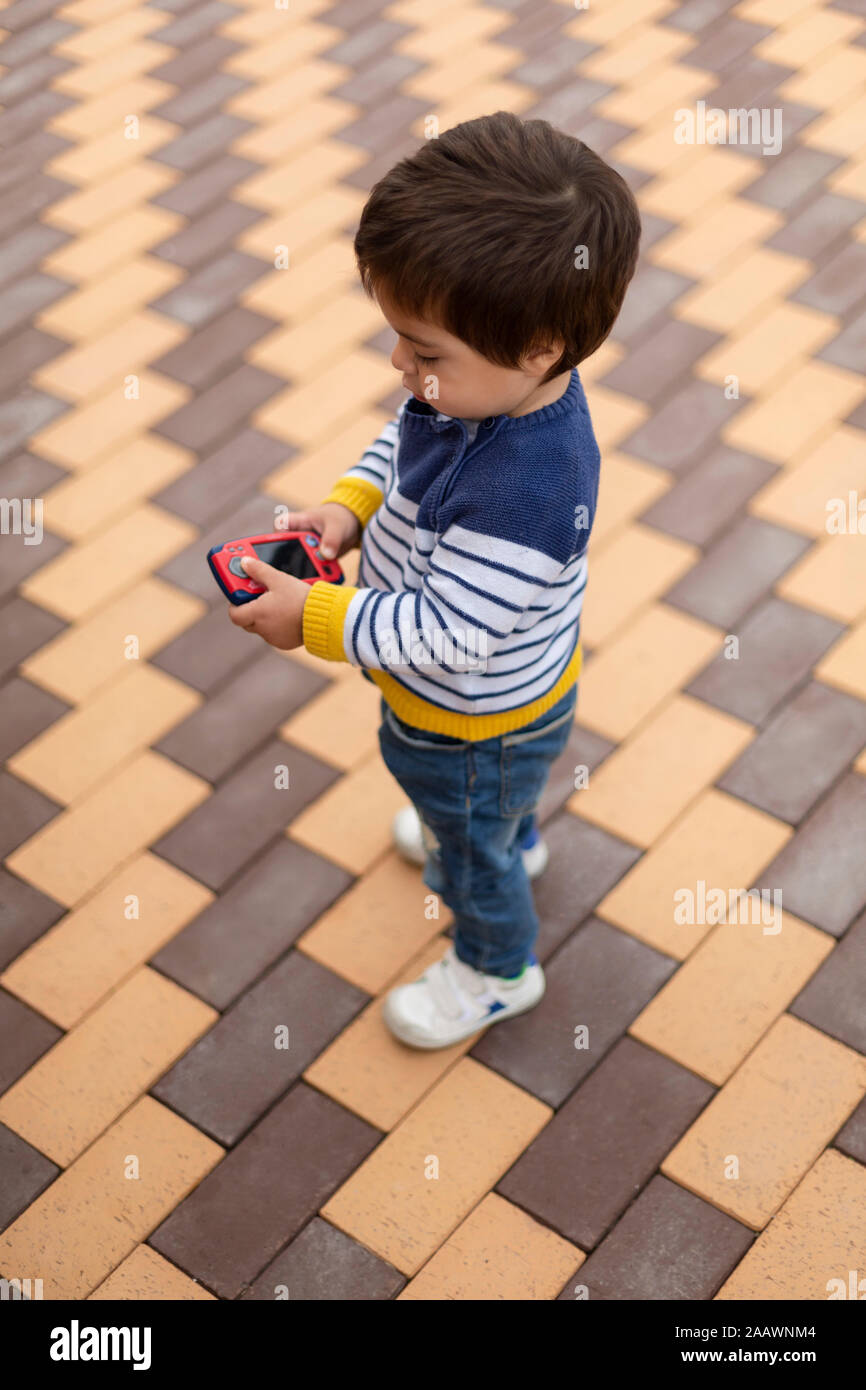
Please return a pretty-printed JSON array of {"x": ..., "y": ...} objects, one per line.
[{"x": 477, "y": 231}]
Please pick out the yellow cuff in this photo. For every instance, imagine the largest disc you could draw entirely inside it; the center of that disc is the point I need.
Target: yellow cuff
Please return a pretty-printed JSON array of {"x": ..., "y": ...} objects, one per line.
[
  {"x": 360, "y": 496},
  {"x": 325, "y": 617}
]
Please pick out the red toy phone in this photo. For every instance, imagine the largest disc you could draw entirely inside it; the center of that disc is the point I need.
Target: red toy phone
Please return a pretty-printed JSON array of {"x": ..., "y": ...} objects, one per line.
[{"x": 293, "y": 552}]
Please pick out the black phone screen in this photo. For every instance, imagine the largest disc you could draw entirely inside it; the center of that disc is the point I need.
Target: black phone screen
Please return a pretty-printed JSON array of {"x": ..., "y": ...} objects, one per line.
[{"x": 288, "y": 556}]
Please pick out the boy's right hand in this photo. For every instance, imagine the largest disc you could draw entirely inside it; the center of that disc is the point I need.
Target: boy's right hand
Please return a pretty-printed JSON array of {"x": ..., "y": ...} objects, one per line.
[{"x": 339, "y": 528}]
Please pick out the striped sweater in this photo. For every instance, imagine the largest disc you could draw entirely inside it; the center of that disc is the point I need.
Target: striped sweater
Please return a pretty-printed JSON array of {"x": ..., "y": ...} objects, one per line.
[{"x": 466, "y": 612}]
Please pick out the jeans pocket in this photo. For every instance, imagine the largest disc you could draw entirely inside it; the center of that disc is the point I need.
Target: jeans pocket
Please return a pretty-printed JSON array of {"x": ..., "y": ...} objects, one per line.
[
  {"x": 440, "y": 743},
  {"x": 526, "y": 759}
]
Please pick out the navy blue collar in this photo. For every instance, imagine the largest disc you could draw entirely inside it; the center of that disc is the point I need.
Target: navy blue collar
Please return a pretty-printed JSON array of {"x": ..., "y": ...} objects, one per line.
[{"x": 423, "y": 415}]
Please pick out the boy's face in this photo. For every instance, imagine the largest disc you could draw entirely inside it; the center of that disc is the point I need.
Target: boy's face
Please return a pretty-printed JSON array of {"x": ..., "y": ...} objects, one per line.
[{"x": 454, "y": 378}]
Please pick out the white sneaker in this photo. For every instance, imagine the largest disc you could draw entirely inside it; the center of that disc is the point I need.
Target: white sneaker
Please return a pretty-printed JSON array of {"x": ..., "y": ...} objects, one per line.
[
  {"x": 451, "y": 1001},
  {"x": 412, "y": 836}
]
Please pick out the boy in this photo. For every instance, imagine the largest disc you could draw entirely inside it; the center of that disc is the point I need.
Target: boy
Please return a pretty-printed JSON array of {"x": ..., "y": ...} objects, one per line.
[{"x": 500, "y": 254}]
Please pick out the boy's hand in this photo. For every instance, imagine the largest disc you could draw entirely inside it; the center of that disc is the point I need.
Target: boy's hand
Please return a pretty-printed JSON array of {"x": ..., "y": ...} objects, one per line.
[
  {"x": 338, "y": 527},
  {"x": 278, "y": 615}
]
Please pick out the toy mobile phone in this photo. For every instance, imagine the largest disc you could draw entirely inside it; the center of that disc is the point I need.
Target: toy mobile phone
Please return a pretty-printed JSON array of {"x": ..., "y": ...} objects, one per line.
[{"x": 293, "y": 552}]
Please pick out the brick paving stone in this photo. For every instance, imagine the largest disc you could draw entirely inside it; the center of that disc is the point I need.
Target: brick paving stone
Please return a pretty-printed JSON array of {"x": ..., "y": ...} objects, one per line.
[
  {"x": 255, "y": 922},
  {"x": 248, "y": 1208},
  {"x": 683, "y": 429},
  {"x": 599, "y": 980},
  {"x": 20, "y": 419},
  {"x": 584, "y": 750},
  {"x": 585, "y": 863},
  {"x": 709, "y": 496},
  {"x": 198, "y": 99},
  {"x": 848, "y": 348},
  {"x": 799, "y": 755},
  {"x": 817, "y": 226},
  {"x": 24, "y": 628},
  {"x": 652, "y": 292},
  {"x": 821, "y": 872},
  {"x": 778, "y": 644},
  {"x": 792, "y": 177},
  {"x": 194, "y": 26},
  {"x": 206, "y": 654},
  {"x": 833, "y": 998},
  {"x": 652, "y": 369},
  {"x": 25, "y": 711},
  {"x": 323, "y": 1263},
  {"x": 26, "y": 248},
  {"x": 24, "y": 1175},
  {"x": 37, "y": 150},
  {"x": 224, "y": 479},
  {"x": 225, "y": 1083},
  {"x": 376, "y": 80},
  {"x": 25, "y": 914},
  {"x": 365, "y": 43},
  {"x": 726, "y": 43},
  {"x": 202, "y": 238},
  {"x": 851, "y": 1138},
  {"x": 189, "y": 568},
  {"x": 606, "y": 1141},
  {"x": 27, "y": 475},
  {"x": 233, "y": 722},
  {"x": 839, "y": 284},
  {"x": 701, "y": 1246},
  {"x": 205, "y": 356},
  {"x": 222, "y": 409},
  {"x": 25, "y": 354},
  {"x": 29, "y": 77},
  {"x": 247, "y": 811},
  {"x": 737, "y": 571},
  {"x": 211, "y": 290},
  {"x": 37, "y": 37},
  {"x": 210, "y": 184},
  {"x": 23, "y": 811},
  {"x": 201, "y": 142},
  {"x": 32, "y": 113},
  {"x": 27, "y": 1035},
  {"x": 193, "y": 63},
  {"x": 27, "y": 297}
]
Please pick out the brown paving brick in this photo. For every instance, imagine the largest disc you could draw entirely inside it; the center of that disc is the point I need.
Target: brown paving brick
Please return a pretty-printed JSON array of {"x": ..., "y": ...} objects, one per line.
[
  {"x": 202, "y": 238},
  {"x": 28, "y": 296},
  {"x": 25, "y": 914},
  {"x": 653, "y": 368},
  {"x": 244, "y": 814},
  {"x": 737, "y": 571},
  {"x": 31, "y": 113},
  {"x": 27, "y": 247},
  {"x": 796, "y": 1082},
  {"x": 24, "y": 1175},
  {"x": 201, "y": 142},
  {"x": 195, "y": 62},
  {"x": 212, "y": 290},
  {"x": 29, "y": 77},
  {"x": 700, "y": 1244},
  {"x": 681, "y": 431},
  {"x": 709, "y": 496},
  {"x": 23, "y": 811},
  {"x": 233, "y": 722},
  {"x": 833, "y": 998},
  {"x": 606, "y": 1141},
  {"x": 322, "y": 1263},
  {"x": 839, "y": 284},
  {"x": 821, "y": 872},
  {"x": 193, "y": 26},
  {"x": 848, "y": 348},
  {"x": 25, "y": 711},
  {"x": 70, "y": 969},
  {"x": 475, "y": 1124},
  {"x": 599, "y": 980},
  {"x": 20, "y": 419},
  {"x": 817, "y": 226},
  {"x": 35, "y": 39},
  {"x": 189, "y": 570},
  {"x": 207, "y": 354},
  {"x": 223, "y": 479},
  {"x": 498, "y": 1252},
  {"x": 851, "y": 1138},
  {"x": 585, "y": 863},
  {"x": 790, "y": 178},
  {"x": 198, "y": 99},
  {"x": 245, "y": 1212},
  {"x": 31, "y": 198},
  {"x": 800, "y": 753},
  {"x": 69, "y": 1097},
  {"x": 205, "y": 655},
  {"x": 222, "y": 409},
  {"x": 24, "y": 354},
  {"x": 144, "y": 1277},
  {"x": 210, "y": 184},
  {"x": 778, "y": 644},
  {"x": 227, "y": 1081},
  {"x": 27, "y": 1036},
  {"x": 93, "y": 1216},
  {"x": 252, "y": 923},
  {"x": 583, "y": 750},
  {"x": 24, "y": 628},
  {"x": 817, "y": 1238}
]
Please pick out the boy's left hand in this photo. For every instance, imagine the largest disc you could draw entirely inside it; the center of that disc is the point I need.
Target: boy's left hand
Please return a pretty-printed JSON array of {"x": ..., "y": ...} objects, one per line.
[{"x": 278, "y": 615}]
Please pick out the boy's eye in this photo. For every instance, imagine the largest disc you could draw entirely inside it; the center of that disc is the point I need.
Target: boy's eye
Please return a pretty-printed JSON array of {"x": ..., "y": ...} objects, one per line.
[{"x": 428, "y": 361}]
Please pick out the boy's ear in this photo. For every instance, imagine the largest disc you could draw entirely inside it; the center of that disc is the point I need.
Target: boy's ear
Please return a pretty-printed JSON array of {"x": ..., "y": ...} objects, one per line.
[{"x": 541, "y": 360}]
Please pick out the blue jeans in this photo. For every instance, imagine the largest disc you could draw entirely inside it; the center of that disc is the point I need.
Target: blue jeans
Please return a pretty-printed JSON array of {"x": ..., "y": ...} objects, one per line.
[{"x": 479, "y": 799}]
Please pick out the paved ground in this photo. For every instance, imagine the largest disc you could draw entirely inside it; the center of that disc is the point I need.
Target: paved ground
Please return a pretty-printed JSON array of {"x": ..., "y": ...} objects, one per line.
[{"x": 199, "y": 1097}]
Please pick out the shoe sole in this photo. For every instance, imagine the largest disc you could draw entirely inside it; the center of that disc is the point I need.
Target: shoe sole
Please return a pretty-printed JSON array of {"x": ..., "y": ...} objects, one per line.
[{"x": 435, "y": 1044}]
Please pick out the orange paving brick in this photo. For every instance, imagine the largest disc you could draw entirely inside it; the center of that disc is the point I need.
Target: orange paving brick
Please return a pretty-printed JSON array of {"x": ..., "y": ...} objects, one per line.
[
  {"x": 310, "y": 477},
  {"x": 831, "y": 577},
  {"x": 131, "y": 627},
  {"x": 318, "y": 218},
  {"x": 87, "y": 119},
  {"x": 719, "y": 842},
  {"x": 630, "y": 572},
  {"x": 90, "y": 257},
  {"x": 314, "y": 411},
  {"x": 86, "y": 576},
  {"x": 350, "y": 823},
  {"x": 642, "y": 666},
  {"x": 328, "y": 270},
  {"x": 135, "y": 402},
  {"x": 108, "y": 299},
  {"x": 427, "y": 1175},
  {"x": 376, "y": 927},
  {"x": 84, "y": 746},
  {"x": 708, "y": 245},
  {"x": 95, "y": 1214},
  {"x": 145, "y": 1277},
  {"x": 782, "y": 338},
  {"x": 90, "y": 951},
  {"x": 81, "y": 846},
  {"x": 651, "y": 778},
  {"x": 112, "y": 151},
  {"x": 340, "y": 726},
  {"x": 762, "y": 1132},
  {"x": 810, "y": 495},
  {"x": 814, "y": 1241},
  {"x": 77, "y": 1089},
  {"x": 303, "y": 350},
  {"x": 108, "y": 358},
  {"x": 86, "y": 502},
  {"x": 112, "y": 69},
  {"x": 845, "y": 664},
  {"x": 713, "y": 1011},
  {"x": 499, "y": 1252},
  {"x": 626, "y": 488},
  {"x": 290, "y": 50},
  {"x": 614, "y": 415},
  {"x": 738, "y": 296},
  {"x": 283, "y": 185},
  {"x": 792, "y": 420},
  {"x": 369, "y": 1071}
]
